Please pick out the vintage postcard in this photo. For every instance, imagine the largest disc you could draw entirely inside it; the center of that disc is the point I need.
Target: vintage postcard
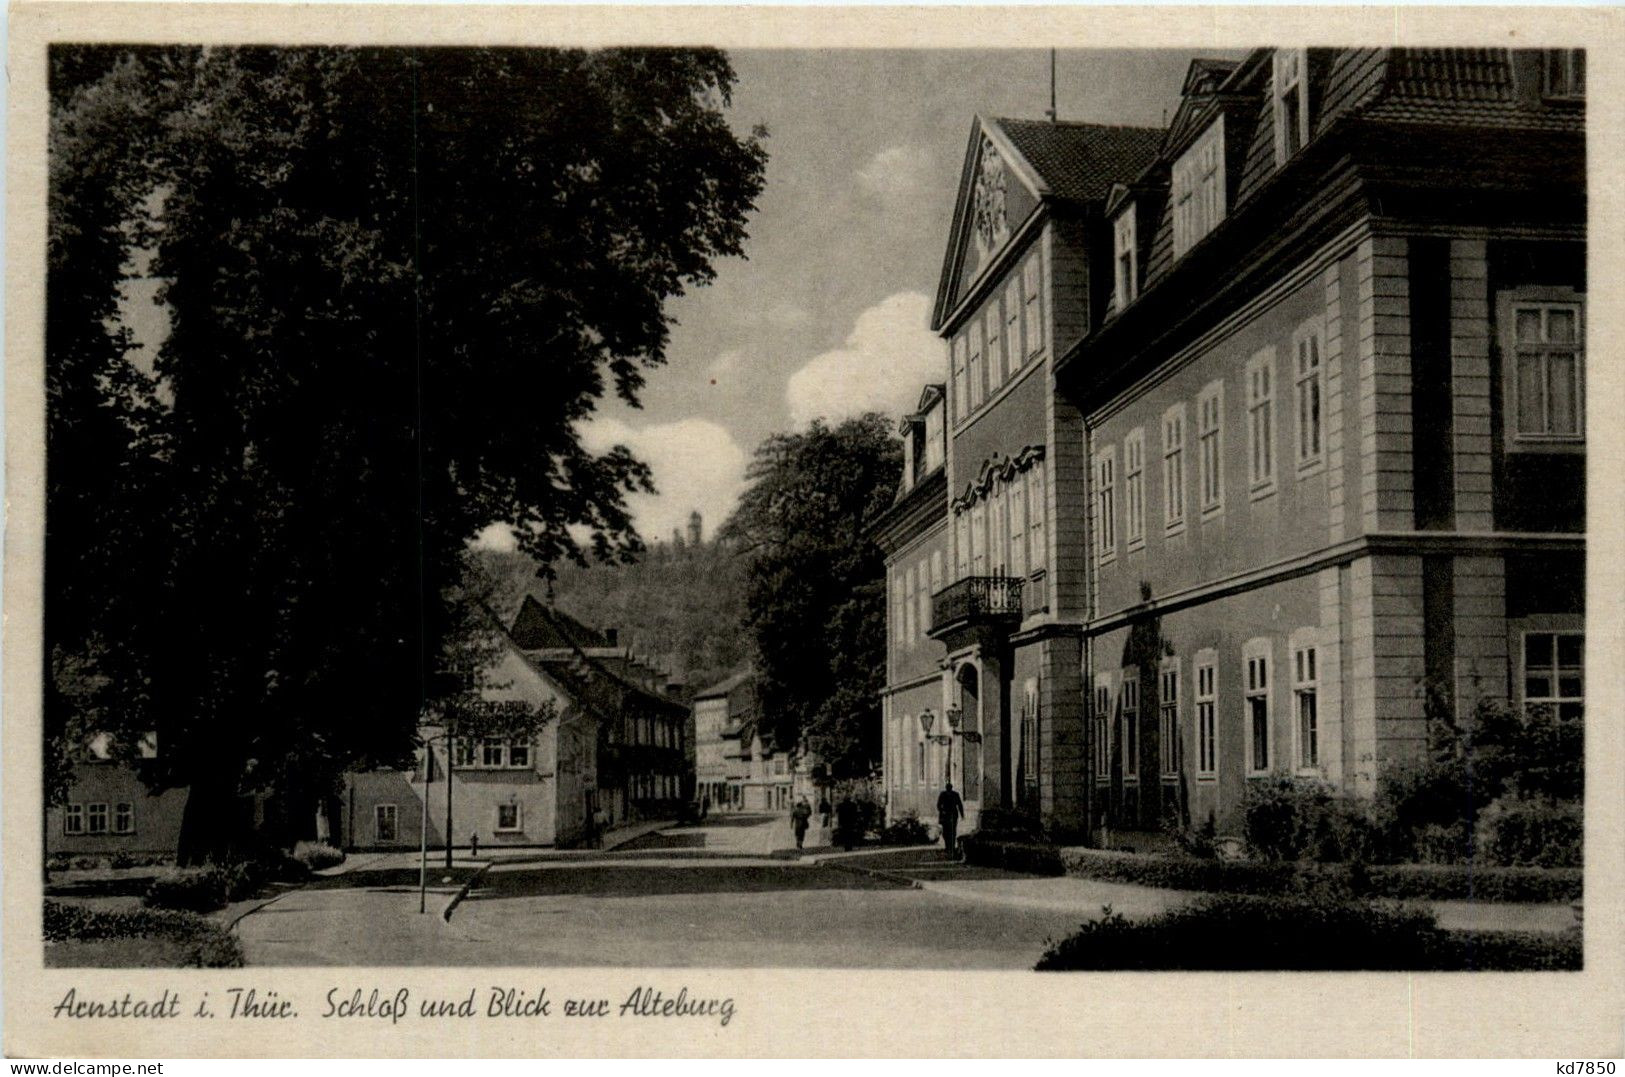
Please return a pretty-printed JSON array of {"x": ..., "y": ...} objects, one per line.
[{"x": 1066, "y": 531}]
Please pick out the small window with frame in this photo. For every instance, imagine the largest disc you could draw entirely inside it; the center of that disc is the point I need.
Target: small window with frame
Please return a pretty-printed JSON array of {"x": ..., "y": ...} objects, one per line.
[
  {"x": 508, "y": 817},
  {"x": 1129, "y": 736},
  {"x": 1257, "y": 706},
  {"x": 1291, "y": 102},
  {"x": 1168, "y": 723},
  {"x": 1102, "y": 726},
  {"x": 1543, "y": 349},
  {"x": 1306, "y": 707},
  {"x": 1554, "y": 673},
  {"x": 1207, "y": 703},
  {"x": 1309, "y": 384}
]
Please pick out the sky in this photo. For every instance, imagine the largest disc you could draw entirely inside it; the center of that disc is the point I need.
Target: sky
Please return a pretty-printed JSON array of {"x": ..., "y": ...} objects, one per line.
[{"x": 828, "y": 313}]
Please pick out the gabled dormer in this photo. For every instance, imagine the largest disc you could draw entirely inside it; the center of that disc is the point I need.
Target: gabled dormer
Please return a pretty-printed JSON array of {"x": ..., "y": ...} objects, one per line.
[{"x": 924, "y": 435}]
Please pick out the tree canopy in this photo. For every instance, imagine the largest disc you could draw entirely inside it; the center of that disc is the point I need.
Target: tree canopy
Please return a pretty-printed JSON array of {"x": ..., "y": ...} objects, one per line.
[
  {"x": 816, "y": 584},
  {"x": 395, "y": 280}
]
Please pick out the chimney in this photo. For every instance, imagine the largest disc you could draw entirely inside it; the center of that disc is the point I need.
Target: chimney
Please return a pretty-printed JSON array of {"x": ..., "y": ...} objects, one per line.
[{"x": 694, "y": 529}]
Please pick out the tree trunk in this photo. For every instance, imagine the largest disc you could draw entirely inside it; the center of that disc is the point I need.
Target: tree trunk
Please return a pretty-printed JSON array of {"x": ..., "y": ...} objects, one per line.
[{"x": 214, "y": 826}]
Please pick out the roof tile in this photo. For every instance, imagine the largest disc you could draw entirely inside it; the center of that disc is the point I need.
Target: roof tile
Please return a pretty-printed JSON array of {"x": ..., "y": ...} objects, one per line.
[{"x": 1081, "y": 161}]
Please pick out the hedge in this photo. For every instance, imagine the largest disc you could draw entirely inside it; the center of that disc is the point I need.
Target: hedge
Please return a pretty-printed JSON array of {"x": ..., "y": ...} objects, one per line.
[
  {"x": 1232, "y": 932},
  {"x": 1442, "y": 882},
  {"x": 1032, "y": 857},
  {"x": 1424, "y": 881},
  {"x": 204, "y": 944}
]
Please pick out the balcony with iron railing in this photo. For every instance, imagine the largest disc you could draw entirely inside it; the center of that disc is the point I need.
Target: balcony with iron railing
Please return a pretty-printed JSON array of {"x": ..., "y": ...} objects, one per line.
[{"x": 976, "y": 600}]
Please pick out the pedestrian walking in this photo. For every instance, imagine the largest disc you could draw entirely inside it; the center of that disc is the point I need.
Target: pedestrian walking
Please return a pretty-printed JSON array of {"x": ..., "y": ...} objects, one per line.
[
  {"x": 950, "y": 809},
  {"x": 823, "y": 810},
  {"x": 474, "y": 846},
  {"x": 800, "y": 816}
]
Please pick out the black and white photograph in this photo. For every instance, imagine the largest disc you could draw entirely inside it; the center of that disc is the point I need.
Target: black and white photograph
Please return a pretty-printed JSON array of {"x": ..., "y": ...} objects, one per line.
[{"x": 892, "y": 509}]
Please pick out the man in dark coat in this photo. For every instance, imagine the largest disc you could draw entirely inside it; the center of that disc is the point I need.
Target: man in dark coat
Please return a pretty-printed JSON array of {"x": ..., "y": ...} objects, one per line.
[
  {"x": 800, "y": 816},
  {"x": 950, "y": 809}
]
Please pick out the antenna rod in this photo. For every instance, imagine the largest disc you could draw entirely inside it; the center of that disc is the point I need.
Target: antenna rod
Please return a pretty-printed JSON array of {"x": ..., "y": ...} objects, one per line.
[{"x": 1051, "y": 113}]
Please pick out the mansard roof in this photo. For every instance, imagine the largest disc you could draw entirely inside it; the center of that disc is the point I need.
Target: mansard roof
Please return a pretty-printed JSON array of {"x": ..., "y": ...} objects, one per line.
[{"x": 1459, "y": 93}]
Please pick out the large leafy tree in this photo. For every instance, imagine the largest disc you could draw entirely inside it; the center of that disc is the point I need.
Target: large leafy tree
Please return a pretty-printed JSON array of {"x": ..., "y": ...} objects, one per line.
[
  {"x": 816, "y": 584},
  {"x": 396, "y": 281}
]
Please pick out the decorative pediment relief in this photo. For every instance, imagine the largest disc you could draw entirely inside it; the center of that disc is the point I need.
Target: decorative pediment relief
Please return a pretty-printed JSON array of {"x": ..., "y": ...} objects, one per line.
[
  {"x": 997, "y": 469},
  {"x": 990, "y": 209}
]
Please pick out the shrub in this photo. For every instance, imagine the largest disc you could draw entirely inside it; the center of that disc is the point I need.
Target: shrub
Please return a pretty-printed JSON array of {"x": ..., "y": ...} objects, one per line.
[
  {"x": 1432, "y": 882},
  {"x": 1286, "y": 818},
  {"x": 906, "y": 830},
  {"x": 1035, "y": 858},
  {"x": 121, "y": 860},
  {"x": 1010, "y": 824},
  {"x": 1441, "y": 843},
  {"x": 195, "y": 889},
  {"x": 1445, "y": 882},
  {"x": 204, "y": 944},
  {"x": 1522, "y": 831},
  {"x": 1231, "y": 932},
  {"x": 315, "y": 855},
  {"x": 1244, "y": 933},
  {"x": 1200, "y": 841},
  {"x": 1515, "y": 951},
  {"x": 1173, "y": 873}
]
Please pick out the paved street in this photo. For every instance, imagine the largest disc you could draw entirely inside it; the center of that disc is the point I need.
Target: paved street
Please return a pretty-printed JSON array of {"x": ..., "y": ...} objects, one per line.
[
  {"x": 696, "y": 896},
  {"x": 729, "y": 894}
]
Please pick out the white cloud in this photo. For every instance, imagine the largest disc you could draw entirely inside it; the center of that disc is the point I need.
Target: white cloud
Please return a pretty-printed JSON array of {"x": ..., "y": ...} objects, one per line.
[
  {"x": 697, "y": 465},
  {"x": 897, "y": 172},
  {"x": 889, "y": 355}
]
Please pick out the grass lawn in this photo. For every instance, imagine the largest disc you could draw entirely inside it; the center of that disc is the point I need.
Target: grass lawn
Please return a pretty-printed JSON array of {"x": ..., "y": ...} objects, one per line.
[
  {"x": 125, "y": 953},
  {"x": 82, "y": 936}
]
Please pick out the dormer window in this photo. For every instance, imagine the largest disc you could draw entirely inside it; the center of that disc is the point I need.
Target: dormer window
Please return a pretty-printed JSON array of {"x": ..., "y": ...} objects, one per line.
[
  {"x": 1291, "y": 103},
  {"x": 1565, "y": 77},
  {"x": 934, "y": 442},
  {"x": 1127, "y": 262},
  {"x": 1199, "y": 189}
]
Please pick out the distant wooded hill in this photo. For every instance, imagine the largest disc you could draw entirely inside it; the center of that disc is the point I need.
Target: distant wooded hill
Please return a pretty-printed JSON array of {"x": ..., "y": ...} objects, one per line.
[{"x": 679, "y": 606}]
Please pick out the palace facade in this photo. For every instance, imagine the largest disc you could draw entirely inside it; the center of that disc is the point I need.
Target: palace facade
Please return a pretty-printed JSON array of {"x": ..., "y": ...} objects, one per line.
[{"x": 1261, "y": 439}]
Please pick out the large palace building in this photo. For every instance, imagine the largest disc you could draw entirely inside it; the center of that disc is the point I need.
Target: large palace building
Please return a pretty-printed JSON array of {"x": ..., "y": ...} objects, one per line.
[{"x": 1257, "y": 438}]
